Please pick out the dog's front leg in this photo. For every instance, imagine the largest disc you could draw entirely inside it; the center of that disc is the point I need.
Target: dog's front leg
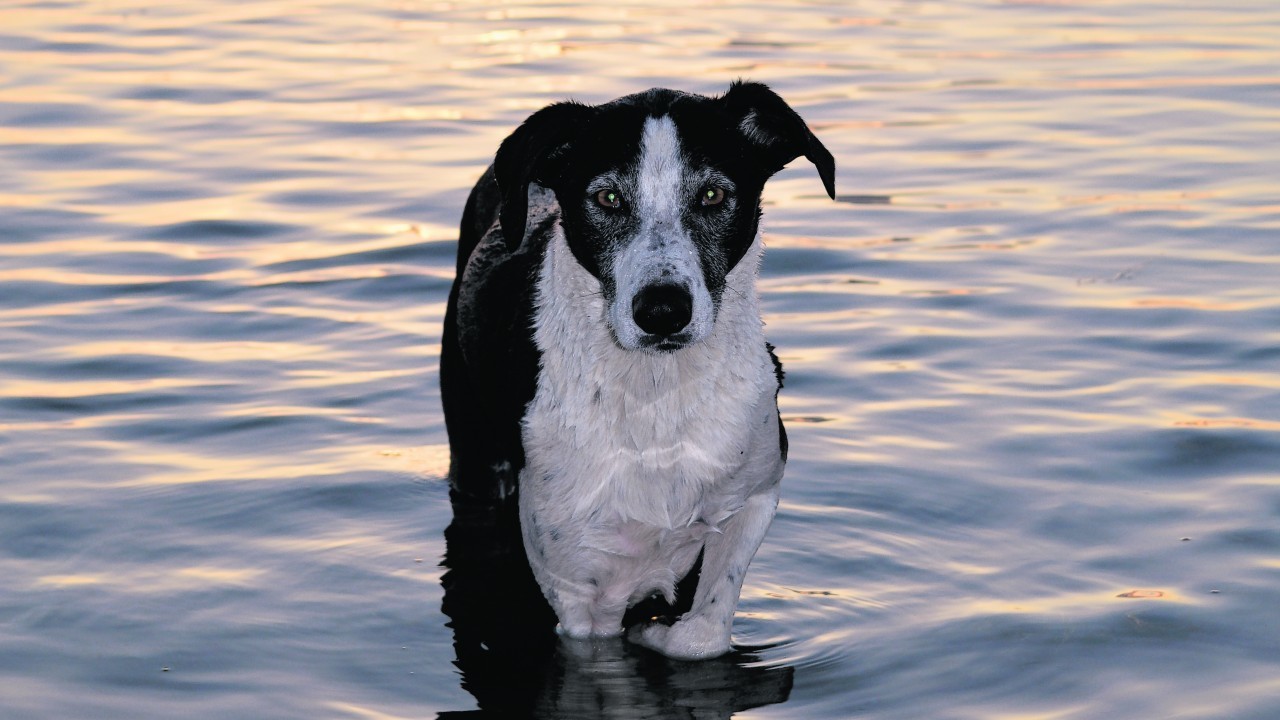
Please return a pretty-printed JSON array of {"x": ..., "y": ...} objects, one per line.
[{"x": 704, "y": 631}]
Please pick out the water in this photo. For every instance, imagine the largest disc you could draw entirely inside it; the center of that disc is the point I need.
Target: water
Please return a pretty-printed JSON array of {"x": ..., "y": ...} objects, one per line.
[{"x": 1033, "y": 351}]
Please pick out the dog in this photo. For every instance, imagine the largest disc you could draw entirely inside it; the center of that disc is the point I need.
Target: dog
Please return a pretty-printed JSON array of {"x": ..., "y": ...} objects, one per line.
[{"x": 603, "y": 356}]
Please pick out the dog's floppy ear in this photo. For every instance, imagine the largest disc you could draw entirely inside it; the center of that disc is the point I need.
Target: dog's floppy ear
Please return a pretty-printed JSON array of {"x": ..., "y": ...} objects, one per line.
[
  {"x": 523, "y": 156},
  {"x": 772, "y": 127}
]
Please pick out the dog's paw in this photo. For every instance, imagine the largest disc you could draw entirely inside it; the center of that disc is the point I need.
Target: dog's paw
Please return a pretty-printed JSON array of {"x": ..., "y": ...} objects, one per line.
[{"x": 693, "y": 638}]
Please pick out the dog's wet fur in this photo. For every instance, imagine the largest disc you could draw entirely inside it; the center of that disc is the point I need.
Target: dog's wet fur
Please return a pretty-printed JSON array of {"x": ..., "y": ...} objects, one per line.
[{"x": 604, "y": 362}]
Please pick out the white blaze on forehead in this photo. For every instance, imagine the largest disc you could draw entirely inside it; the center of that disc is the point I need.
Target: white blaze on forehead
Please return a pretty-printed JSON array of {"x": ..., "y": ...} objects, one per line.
[
  {"x": 662, "y": 249},
  {"x": 659, "y": 177}
]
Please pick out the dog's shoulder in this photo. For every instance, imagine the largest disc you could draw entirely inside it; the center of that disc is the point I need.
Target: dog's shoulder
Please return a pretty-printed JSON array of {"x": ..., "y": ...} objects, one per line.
[
  {"x": 494, "y": 296},
  {"x": 495, "y": 283},
  {"x": 478, "y": 216}
]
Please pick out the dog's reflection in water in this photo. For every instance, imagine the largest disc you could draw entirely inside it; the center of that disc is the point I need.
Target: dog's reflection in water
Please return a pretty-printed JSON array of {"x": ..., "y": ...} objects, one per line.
[{"x": 516, "y": 666}]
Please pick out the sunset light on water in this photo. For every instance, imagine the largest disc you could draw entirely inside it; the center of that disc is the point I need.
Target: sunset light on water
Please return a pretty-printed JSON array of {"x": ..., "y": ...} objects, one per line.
[{"x": 1032, "y": 356}]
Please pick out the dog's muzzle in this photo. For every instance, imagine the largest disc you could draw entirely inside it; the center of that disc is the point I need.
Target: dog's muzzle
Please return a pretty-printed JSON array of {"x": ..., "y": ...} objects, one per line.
[{"x": 662, "y": 311}]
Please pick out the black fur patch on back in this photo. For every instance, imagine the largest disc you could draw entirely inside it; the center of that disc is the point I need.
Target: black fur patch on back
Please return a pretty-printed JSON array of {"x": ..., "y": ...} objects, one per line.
[{"x": 777, "y": 364}]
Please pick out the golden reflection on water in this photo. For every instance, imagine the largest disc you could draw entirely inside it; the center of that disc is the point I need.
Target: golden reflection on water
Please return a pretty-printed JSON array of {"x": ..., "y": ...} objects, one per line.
[
  {"x": 1229, "y": 422},
  {"x": 71, "y": 388},
  {"x": 148, "y": 581},
  {"x": 205, "y": 350},
  {"x": 159, "y": 467}
]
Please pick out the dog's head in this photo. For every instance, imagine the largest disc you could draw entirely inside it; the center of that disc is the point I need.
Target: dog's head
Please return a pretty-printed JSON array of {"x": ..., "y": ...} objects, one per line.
[{"x": 659, "y": 195}]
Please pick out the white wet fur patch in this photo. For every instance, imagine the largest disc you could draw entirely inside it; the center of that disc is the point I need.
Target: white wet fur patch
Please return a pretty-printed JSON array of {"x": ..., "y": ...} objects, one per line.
[{"x": 661, "y": 249}]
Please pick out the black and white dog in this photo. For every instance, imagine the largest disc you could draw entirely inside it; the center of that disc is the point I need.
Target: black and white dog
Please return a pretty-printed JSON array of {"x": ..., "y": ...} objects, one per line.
[{"x": 603, "y": 351}]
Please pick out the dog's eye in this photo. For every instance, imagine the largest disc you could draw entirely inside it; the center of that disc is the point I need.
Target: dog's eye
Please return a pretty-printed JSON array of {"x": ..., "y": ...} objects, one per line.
[
  {"x": 609, "y": 198},
  {"x": 711, "y": 196}
]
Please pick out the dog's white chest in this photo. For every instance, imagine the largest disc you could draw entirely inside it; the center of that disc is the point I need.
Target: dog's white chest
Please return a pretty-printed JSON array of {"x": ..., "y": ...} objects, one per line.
[
  {"x": 645, "y": 436},
  {"x": 632, "y": 457}
]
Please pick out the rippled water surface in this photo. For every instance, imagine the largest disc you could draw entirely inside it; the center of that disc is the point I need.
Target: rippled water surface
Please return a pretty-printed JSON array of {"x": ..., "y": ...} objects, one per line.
[{"x": 1033, "y": 358}]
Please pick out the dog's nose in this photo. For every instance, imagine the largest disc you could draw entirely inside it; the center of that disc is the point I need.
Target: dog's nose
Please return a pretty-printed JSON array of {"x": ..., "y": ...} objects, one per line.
[{"x": 662, "y": 309}]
